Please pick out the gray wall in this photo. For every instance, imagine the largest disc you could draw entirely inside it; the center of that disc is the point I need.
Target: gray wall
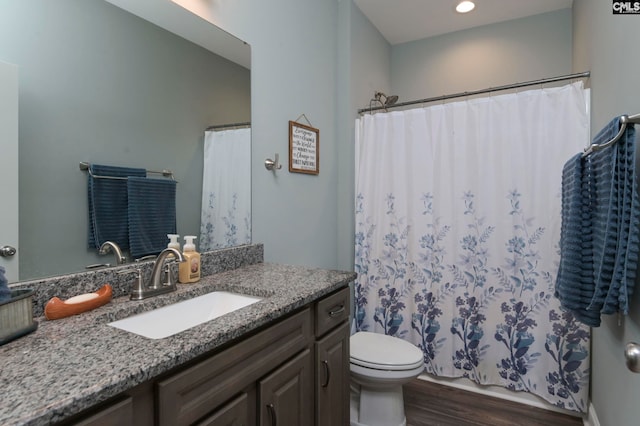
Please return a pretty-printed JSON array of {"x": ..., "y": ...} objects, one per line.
[
  {"x": 493, "y": 55},
  {"x": 294, "y": 64},
  {"x": 100, "y": 85},
  {"x": 324, "y": 59},
  {"x": 603, "y": 43},
  {"x": 370, "y": 71}
]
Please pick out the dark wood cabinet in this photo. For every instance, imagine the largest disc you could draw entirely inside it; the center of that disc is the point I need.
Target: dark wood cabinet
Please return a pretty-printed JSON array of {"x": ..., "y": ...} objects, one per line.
[
  {"x": 188, "y": 395},
  {"x": 117, "y": 413},
  {"x": 332, "y": 378},
  {"x": 240, "y": 411},
  {"x": 286, "y": 395},
  {"x": 294, "y": 372},
  {"x": 332, "y": 360}
]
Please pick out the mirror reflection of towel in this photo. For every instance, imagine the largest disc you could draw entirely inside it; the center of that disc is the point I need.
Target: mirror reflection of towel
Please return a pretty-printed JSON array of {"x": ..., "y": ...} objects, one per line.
[
  {"x": 151, "y": 214},
  {"x": 5, "y": 293},
  {"x": 108, "y": 219}
]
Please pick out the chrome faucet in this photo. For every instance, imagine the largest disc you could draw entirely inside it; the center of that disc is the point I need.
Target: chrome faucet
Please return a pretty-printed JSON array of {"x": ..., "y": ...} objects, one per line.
[
  {"x": 162, "y": 279},
  {"x": 161, "y": 274},
  {"x": 109, "y": 246}
]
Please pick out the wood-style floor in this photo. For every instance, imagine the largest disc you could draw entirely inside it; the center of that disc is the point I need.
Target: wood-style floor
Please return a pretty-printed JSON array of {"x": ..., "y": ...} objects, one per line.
[{"x": 431, "y": 404}]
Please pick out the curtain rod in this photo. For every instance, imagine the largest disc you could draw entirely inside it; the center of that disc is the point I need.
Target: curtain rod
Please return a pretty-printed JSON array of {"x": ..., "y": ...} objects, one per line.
[
  {"x": 478, "y": 92},
  {"x": 228, "y": 126}
]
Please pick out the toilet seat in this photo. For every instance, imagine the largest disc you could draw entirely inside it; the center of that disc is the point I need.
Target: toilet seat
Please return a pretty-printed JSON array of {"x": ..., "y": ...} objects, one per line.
[{"x": 382, "y": 352}]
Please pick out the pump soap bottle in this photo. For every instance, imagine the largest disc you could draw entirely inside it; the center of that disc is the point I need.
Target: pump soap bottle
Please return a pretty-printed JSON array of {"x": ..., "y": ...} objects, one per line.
[
  {"x": 173, "y": 241},
  {"x": 189, "y": 271}
]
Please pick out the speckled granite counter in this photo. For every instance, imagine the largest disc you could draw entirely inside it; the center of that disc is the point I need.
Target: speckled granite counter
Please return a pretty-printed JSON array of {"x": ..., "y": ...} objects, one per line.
[{"x": 71, "y": 364}]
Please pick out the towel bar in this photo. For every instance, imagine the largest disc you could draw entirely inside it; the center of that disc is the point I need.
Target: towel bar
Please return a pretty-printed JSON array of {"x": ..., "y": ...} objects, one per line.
[
  {"x": 624, "y": 119},
  {"x": 84, "y": 166}
]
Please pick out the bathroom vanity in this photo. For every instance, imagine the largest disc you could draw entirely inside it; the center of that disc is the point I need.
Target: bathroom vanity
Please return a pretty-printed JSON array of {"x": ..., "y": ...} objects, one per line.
[{"x": 281, "y": 361}]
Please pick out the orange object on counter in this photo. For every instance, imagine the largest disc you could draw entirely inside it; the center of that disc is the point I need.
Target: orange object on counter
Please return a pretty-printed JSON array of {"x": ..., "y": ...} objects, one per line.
[{"x": 57, "y": 308}]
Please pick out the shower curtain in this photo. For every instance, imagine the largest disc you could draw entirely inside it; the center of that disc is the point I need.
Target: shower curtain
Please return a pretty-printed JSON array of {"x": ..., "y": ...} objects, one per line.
[
  {"x": 226, "y": 189},
  {"x": 457, "y": 233}
]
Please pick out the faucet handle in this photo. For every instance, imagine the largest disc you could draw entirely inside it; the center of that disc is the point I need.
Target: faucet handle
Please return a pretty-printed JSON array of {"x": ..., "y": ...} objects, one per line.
[
  {"x": 98, "y": 265},
  {"x": 147, "y": 257},
  {"x": 138, "y": 286},
  {"x": 170, "y": 278}
]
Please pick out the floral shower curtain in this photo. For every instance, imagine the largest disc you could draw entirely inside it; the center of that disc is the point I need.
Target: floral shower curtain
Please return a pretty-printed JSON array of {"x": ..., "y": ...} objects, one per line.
[
  {"x": 457, "y": 232},
  {"x": 226, "y": 189}
]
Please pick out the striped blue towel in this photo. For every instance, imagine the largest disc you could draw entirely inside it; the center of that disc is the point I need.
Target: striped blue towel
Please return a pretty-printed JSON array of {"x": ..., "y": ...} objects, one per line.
[
  {"x": 5, "y": 293},
  {"x": 108, "y": 219},
  {"x": 574, "y": 283},
  {"x": 627, "y": 238},
  {"x": 600, "y": 229},
  {"x": 152, "y": 214}
]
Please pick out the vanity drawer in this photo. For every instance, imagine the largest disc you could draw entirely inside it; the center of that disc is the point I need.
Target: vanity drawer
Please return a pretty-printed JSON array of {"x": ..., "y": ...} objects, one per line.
[
  {"x": 188, "y": 395},
  {"x": 331, "y": 311},
  {"x": 119, "y": 413},
  {"x": 237, "y": 412}
]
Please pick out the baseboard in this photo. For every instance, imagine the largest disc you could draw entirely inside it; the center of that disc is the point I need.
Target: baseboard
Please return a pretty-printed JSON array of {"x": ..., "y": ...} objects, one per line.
[
  {"x": 497, "y": 392},
  {"x": 592, "y": 418}
]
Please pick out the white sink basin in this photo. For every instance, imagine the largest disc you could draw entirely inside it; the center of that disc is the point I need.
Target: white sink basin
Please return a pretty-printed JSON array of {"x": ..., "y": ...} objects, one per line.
[{"x": 169, "y": 320}]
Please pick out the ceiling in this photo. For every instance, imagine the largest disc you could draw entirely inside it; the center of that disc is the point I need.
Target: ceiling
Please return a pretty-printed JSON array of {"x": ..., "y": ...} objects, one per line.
[{"x": 400, "y": 21}]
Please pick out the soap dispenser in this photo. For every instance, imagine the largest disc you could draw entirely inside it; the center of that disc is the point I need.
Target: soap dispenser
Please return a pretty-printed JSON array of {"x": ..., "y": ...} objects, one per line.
[
  {"x": 173, "y": 241},
  {"x": 189, "y": 271}
]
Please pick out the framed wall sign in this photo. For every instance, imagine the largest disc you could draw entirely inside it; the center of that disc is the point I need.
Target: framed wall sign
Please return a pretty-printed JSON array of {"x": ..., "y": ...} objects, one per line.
[{"x": 304, "y": 149}]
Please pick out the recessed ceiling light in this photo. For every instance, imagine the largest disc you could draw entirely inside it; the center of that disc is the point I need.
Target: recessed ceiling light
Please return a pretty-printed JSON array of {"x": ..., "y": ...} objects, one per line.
[{"x": 465, "y": 6}]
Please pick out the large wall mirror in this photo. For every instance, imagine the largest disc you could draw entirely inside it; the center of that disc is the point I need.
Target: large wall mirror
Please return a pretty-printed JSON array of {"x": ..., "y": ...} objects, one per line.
[{"x": 100, "y": 84}]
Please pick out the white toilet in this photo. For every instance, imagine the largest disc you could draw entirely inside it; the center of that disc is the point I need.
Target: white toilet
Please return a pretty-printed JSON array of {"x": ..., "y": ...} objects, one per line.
[{"x": 380, "y": 365}]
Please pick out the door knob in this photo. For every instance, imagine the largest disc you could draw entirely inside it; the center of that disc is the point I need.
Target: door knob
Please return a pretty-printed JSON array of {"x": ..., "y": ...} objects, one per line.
[
  {"x": 7, "y": 251},
  {"x": 632, "y": 356}
]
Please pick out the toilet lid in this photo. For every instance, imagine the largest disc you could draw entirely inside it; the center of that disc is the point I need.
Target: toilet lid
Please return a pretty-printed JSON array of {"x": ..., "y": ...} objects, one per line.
[{"x": 373, "y": 350}]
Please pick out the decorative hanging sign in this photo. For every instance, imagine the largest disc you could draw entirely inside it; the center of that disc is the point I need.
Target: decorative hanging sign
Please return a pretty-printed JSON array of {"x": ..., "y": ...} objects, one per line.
[{"x": 304, "y": 149}]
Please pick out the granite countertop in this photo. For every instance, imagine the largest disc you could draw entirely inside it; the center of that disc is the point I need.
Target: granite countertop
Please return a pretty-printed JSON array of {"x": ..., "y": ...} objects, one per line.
[{"x": 71, "y": 364}]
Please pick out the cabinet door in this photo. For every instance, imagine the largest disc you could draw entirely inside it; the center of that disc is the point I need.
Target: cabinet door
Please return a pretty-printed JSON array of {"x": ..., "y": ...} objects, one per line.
[
  {"x": 286, "y": 395},
  {"x": 237, "y": 412},
  {"x": 332, "y": 378},
  {"x": 187, "y": 396},
  {"x": 117, "y": 414}
]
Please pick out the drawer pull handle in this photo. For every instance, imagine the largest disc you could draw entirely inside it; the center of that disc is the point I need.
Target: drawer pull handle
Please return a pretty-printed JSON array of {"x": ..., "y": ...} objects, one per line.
[
  {"x": 337, "y": 312},
  {"x": 272, "y": 414},
  {"x": 327, "y": 373}
]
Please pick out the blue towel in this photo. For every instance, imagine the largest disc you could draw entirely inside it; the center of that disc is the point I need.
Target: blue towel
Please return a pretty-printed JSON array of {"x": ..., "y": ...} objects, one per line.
[
  {"x": 600, "y": 229},
  {"x": 152, "y": 214},
  {"x": 626, "y": 258},
  {"x": 616, "y": 242},
  {"x": 603, "y": 182},
  {"x": 108, "y": 218},
  {"x": 574, "y": 283},
  {"x": 5, "y": 293}
]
